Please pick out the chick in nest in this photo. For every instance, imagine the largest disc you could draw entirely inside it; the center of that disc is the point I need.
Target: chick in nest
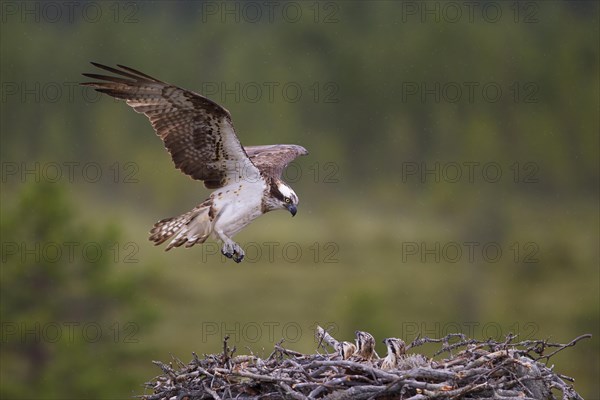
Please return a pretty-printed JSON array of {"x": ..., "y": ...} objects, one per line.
[
  {"x": 346, "y": 350},
  {"x": 396, "y": 349},
  {"x": 365, "y": 347}
]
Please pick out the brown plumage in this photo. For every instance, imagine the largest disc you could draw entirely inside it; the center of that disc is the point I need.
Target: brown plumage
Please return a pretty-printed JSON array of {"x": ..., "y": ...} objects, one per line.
[
  {"x": 396, "y": 349},
  {"x": 347, "y": 350},
  {"x": 200, "y": 136},
  {"x": 365, "y": 347}
]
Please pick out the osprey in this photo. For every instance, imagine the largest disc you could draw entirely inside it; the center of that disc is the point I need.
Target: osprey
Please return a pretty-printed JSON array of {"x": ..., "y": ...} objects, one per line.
[
  {"x": 365, "y": 347},
  {"x": 199, "y": 135},
  {"x": 396, "y": 350}
]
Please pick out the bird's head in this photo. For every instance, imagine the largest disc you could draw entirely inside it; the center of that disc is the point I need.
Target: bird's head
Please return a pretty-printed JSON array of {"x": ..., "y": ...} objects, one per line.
[
  {"x": 395, "y": 346},
  {"x": 282, "y": 197},
  {"x": 365, "y": 344},
  {"x": 347, "y": 349}
]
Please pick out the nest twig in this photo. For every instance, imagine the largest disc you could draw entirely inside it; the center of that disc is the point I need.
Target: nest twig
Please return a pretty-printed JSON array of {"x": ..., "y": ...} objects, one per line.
[{"x": 472, "y": 370}]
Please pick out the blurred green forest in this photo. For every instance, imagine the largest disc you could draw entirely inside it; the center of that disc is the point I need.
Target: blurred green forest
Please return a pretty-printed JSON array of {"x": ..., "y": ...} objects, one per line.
[{"x": 452, "y": 183}]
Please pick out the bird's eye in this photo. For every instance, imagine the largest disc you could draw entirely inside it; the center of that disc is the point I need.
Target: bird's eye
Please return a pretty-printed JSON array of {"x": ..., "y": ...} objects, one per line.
[{"x": 287, "y": 200}]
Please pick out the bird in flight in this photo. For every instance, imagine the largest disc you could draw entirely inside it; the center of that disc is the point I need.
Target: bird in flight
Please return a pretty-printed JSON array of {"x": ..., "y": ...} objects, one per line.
[{"x": 199, "y": 135}]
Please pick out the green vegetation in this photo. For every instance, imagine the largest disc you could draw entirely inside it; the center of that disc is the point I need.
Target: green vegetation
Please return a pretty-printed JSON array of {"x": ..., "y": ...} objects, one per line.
[
  {"x": 69, "y": 314},
  {"x": 370, "y": 215}
]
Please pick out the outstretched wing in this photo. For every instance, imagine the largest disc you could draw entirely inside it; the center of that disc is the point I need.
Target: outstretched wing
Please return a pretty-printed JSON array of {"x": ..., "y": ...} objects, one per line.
[
  {"x": 272, "y": 159},
  {"x": 197, "y": 132}
]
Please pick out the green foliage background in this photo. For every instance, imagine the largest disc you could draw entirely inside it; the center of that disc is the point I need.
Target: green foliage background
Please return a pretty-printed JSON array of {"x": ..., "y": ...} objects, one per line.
[{"x": 353, "y": 62}]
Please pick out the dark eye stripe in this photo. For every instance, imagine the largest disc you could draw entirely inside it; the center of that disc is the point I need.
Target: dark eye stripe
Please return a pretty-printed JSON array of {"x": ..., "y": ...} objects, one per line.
[{"x": 276, "y": 193}]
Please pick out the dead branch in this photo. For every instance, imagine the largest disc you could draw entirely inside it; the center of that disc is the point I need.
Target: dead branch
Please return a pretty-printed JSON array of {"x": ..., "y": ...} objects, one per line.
[{"x": 479, "y": 370}]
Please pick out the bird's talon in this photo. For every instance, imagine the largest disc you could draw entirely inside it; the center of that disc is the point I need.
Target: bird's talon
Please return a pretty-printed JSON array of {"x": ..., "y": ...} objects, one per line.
[{"x": 227, "y": 254}]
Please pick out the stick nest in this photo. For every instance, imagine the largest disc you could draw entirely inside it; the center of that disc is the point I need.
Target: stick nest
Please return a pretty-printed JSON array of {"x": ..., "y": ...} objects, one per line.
[{"x": 466, "y": 369}]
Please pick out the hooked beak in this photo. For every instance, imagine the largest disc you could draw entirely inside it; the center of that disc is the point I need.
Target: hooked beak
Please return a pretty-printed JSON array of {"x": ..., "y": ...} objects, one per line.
[{"x": 292, "y": 209}]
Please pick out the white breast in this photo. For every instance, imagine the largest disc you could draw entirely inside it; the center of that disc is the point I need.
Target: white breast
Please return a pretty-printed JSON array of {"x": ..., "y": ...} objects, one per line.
[{"x": 237, "y": 205}]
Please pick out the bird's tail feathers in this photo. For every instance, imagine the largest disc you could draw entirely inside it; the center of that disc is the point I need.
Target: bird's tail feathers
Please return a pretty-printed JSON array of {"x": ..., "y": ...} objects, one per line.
[{"x": 190, "y": 228}]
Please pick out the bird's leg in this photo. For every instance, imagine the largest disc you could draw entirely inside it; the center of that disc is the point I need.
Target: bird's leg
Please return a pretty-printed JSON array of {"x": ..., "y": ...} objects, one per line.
[
  {"x": 233, "y": 250},
  {"x": 230, "y": 248}
]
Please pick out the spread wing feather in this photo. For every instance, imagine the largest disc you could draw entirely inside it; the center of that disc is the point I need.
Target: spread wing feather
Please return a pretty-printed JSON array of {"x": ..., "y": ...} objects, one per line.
[
  {"x": 272, "y": 159},
  {"x": 197, "y": 132}
]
